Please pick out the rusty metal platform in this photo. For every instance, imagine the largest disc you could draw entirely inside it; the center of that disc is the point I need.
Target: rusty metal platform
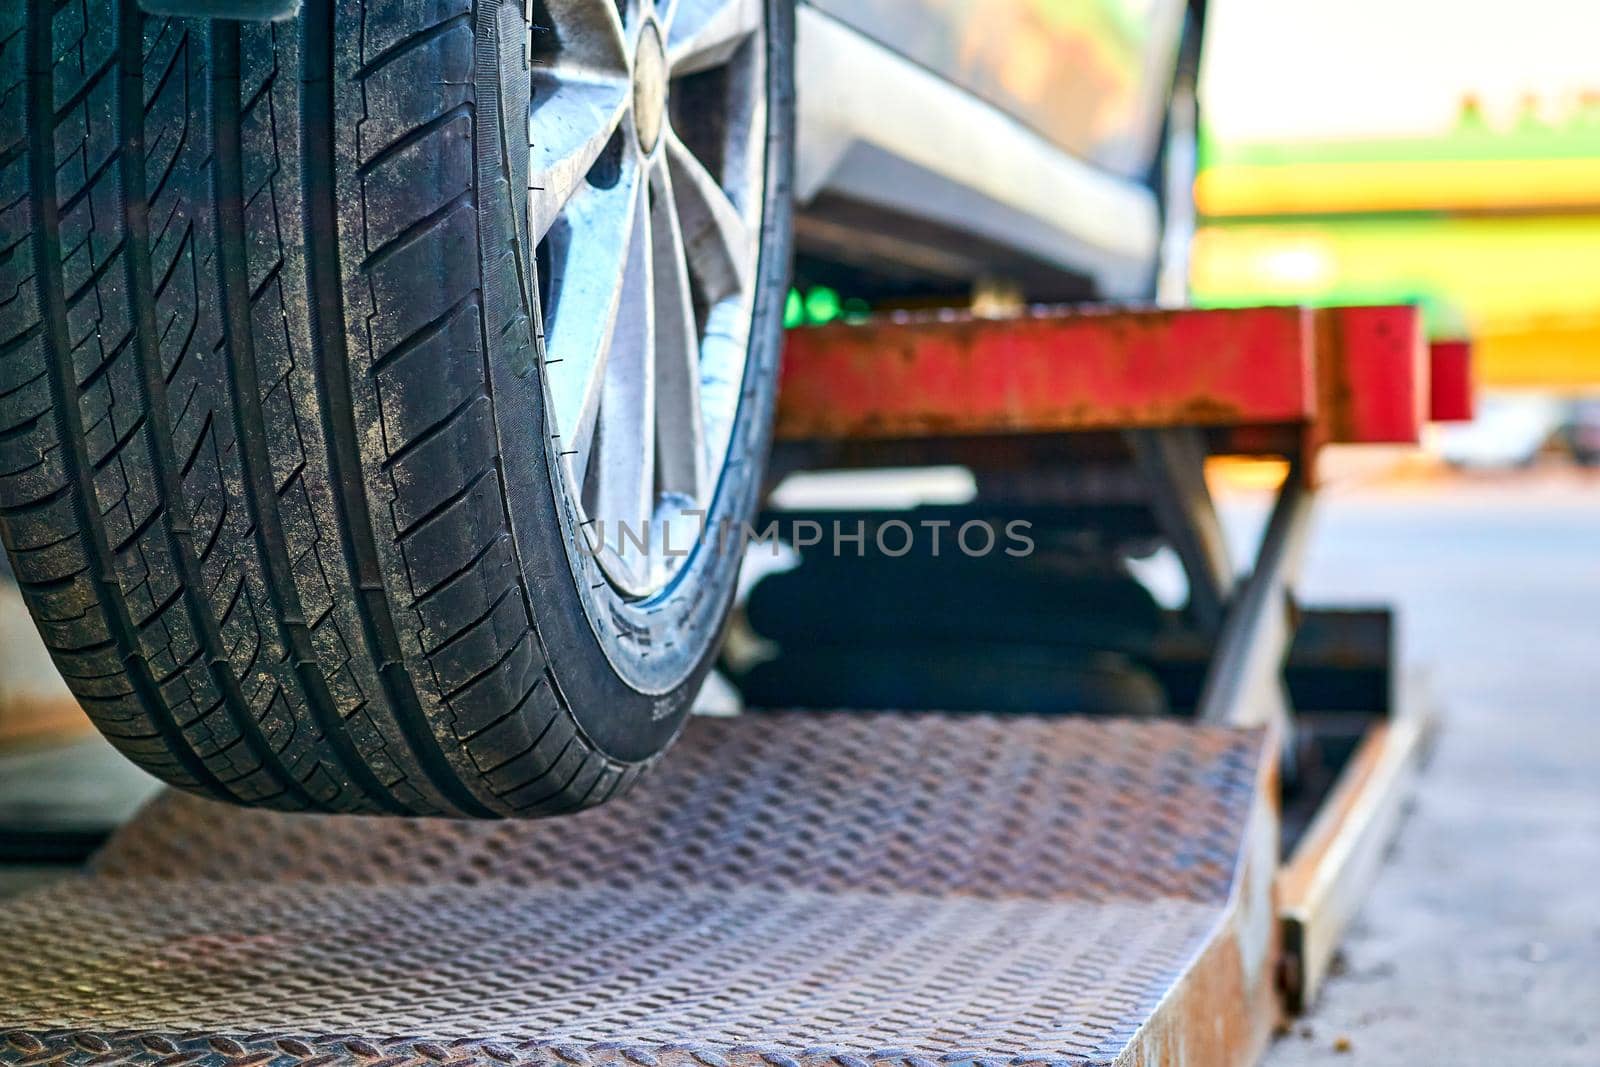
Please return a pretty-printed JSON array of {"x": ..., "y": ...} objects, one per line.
[{"x": 787, "y": 890}]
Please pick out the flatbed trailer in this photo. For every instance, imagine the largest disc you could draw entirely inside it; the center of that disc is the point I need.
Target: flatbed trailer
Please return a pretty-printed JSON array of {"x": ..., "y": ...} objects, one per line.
[{"x": 852, "y": 888}]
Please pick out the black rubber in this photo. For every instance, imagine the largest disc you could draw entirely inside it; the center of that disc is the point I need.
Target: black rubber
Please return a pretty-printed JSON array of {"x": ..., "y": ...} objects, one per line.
[{"x": 273, "y": 474}]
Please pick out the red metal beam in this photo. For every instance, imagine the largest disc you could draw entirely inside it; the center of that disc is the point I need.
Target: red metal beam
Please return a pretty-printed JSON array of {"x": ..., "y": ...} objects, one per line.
[
  {"x": 1355, "y": 375},
  {"x": 1372, "y": 373},
  {"x": 1452, "y": 386},
  {"x": 1048, "y": 372}
]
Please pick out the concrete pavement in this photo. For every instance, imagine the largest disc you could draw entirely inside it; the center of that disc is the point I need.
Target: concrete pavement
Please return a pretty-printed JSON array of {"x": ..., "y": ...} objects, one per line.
[{"x": 1481, "y": 941}]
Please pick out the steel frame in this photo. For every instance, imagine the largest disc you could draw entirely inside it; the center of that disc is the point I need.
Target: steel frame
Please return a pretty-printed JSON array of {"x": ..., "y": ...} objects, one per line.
[
  {"x": 1172, "y": 462},
  {"x": 1176, "y": 387},
  {"x": 1325, "y": 878},
  {"x": 1244, "y": 686}
]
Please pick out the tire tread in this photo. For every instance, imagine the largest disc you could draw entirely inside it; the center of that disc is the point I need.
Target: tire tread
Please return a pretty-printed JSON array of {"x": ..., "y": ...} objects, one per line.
[{"x": 249, "y": 477}]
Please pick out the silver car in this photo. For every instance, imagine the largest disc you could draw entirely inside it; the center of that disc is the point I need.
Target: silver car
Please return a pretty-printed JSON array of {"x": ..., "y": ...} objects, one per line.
[{"x": 379, "y": 376}]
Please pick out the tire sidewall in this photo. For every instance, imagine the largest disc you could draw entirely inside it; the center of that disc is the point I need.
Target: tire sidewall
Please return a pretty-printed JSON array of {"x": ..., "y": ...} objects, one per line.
[{"x": 628, "y": 671}]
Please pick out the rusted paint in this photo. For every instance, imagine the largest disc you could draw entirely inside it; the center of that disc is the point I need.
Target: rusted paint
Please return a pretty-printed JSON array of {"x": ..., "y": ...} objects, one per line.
[
  {"x": 1225, "y": 1009},
  {"x": 1451, "y": 382},
  {"x": 1354, "y": 375},
  {"x": 1048, "y": 372}
]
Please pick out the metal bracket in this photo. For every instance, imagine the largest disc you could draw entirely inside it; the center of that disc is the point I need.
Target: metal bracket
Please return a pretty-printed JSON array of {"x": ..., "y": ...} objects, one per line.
[
  {"x": 1172, "y": 463},
  {"x": 1244, "y": 686}
]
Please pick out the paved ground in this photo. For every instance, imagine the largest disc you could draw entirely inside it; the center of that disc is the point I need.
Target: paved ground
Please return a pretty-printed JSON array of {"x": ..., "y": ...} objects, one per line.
[{"x": 1481, "y": 942}]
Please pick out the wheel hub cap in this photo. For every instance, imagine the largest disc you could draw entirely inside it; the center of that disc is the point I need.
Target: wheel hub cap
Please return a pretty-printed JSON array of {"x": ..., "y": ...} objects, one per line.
[{"x": 649, "y": 88}]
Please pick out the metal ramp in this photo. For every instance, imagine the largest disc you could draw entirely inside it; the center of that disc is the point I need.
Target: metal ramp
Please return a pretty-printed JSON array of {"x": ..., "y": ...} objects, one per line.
[
  {"x": 791, "y": 890},
  {"x": 841, "y": 889}
]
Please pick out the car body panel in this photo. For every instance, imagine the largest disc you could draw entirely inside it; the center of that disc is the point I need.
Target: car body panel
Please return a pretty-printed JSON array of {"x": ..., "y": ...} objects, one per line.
[
  {"x": 1090, "y": 76},
  {"x": 880, "y": 129}
]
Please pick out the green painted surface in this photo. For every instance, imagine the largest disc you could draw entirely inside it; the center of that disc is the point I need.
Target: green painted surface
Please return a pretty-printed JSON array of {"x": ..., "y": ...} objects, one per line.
[{"x": 1530, "y": 138}]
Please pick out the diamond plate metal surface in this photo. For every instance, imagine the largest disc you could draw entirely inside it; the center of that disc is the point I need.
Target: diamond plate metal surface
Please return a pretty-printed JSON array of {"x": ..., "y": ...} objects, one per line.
[{"x": 785, "y": 890}]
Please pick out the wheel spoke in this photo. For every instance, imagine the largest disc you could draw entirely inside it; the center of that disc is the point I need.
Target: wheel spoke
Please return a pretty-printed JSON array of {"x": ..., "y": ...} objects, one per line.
[
  {"x": 624, "y": 463},
  {"x": 587, "y": 35},
  {"x": 586, "y": 301},
  {"x": 720, "y": 247},
  {"x": 572, "y": 121},
  {"x": 705, "y": 33},
  {"x": 722, "y": 371},
  {"x": 680, "y": 435}
]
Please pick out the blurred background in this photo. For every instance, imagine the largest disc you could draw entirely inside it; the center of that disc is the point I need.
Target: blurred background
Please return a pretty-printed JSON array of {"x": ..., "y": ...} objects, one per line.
[{"x": 1423, "y": 150}]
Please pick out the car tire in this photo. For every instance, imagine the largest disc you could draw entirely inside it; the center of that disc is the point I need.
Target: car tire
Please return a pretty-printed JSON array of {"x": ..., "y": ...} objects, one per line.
[{"x": 277, "y": 475}]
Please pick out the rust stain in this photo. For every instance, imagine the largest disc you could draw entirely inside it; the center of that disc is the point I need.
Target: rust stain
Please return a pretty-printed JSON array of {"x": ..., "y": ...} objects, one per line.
[{"x": 1050, "y": 371}]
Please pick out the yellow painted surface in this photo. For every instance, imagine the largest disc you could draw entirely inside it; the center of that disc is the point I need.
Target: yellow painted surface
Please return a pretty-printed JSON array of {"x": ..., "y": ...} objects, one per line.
[
  {"x": 1399, "y": 185},
  {"x": 1555, "y": 356},
  {"x": 1369, "y": 151},
  {"x": 1526, "y": 288}
]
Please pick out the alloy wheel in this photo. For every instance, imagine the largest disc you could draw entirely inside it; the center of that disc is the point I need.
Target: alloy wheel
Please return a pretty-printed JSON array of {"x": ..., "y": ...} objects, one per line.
[{"x": 647, "y": 134}]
